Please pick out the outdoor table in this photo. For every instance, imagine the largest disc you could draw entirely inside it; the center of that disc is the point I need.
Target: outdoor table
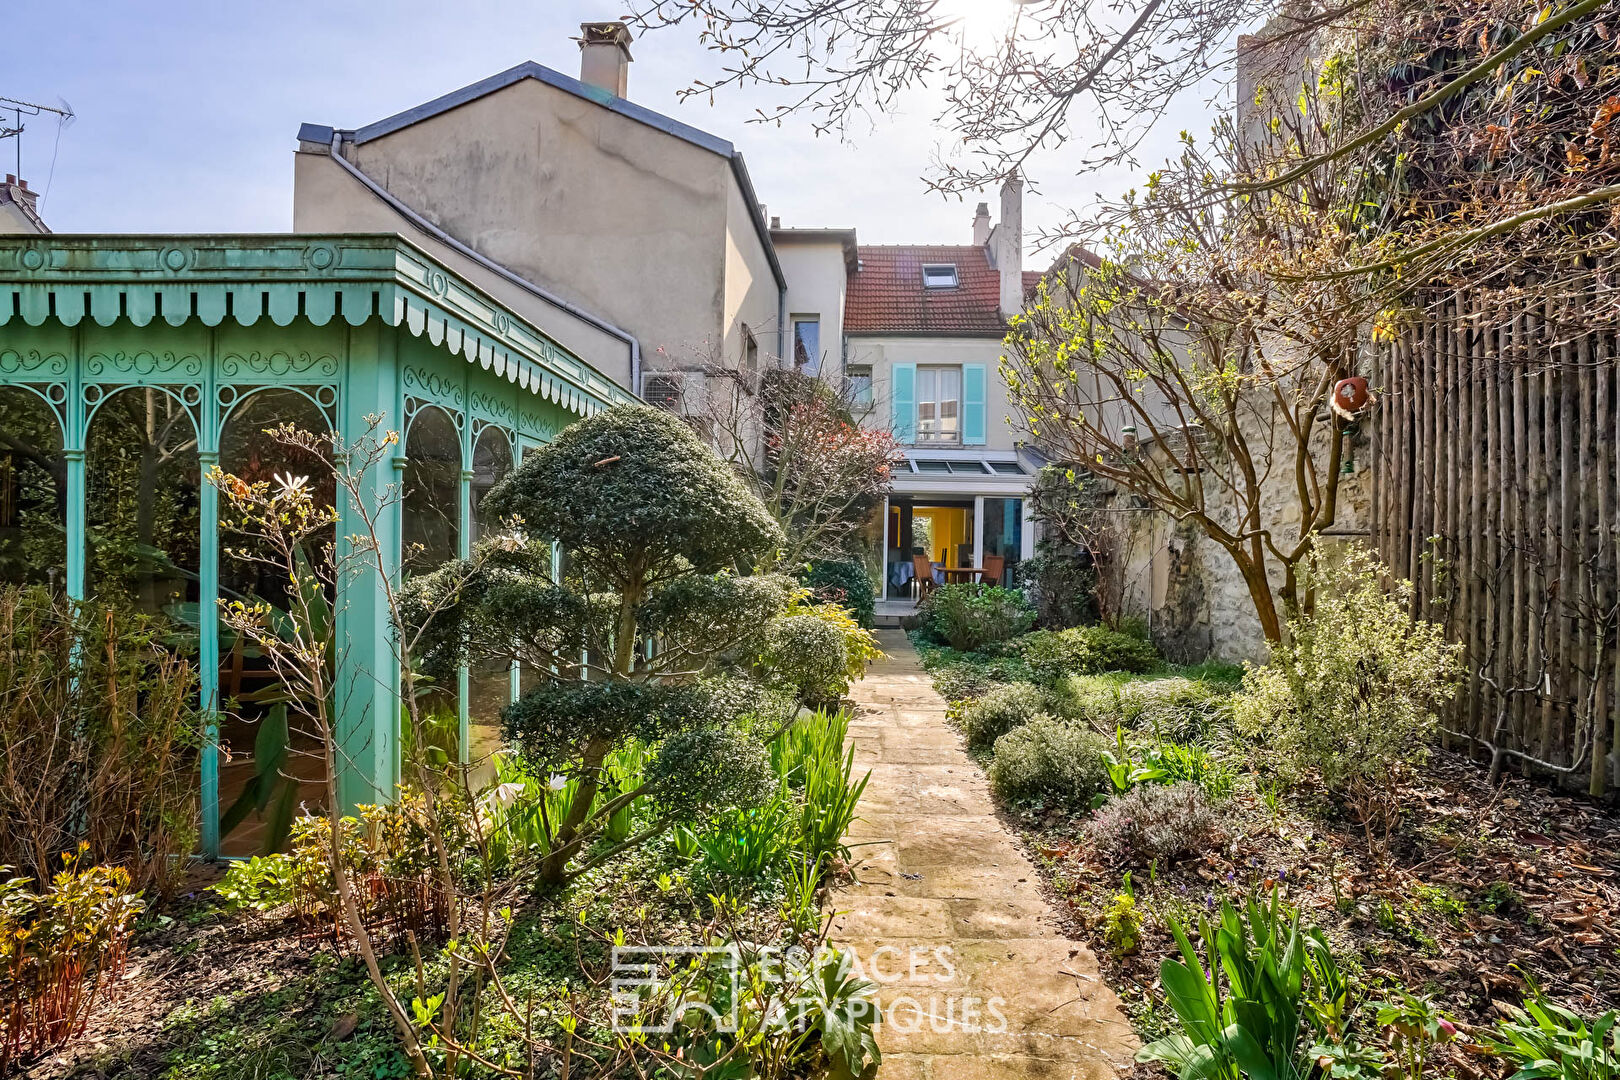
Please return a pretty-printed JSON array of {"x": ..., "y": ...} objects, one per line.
[{"x": 962, "y": 573}]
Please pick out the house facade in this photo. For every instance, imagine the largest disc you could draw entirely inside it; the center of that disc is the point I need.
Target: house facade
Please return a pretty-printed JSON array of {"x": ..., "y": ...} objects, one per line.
[{"x": 914, "y": 333}]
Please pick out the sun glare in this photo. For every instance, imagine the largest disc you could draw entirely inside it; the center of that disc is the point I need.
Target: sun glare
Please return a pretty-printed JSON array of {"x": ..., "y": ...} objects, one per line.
[{"x": 980, "y": 22}]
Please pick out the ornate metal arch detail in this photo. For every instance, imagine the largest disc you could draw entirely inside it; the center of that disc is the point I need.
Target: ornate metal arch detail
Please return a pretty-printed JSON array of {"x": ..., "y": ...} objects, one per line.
[
  {"x": 492, "y": 409},
  {"x": 143, "y": 367},
  {"x": 415, "y": 407},
  {"x": 301, "y": 366},
  {"x": 55, "y": 397},
  {"x": 323, "y": 396},
  {"x": 188, "y": 395},
  {"x": 433, "y": 388}
]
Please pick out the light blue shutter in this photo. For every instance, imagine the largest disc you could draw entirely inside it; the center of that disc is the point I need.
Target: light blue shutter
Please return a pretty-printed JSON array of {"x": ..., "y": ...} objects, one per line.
[
  {"x": 973, "y": 404},
  {"x": 903, "y": 402}
]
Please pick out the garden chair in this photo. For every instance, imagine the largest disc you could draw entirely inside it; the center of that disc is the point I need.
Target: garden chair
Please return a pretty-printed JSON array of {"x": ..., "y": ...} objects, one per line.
[
  {"x": 924, "y": 571},
  {"x": 994, "y": 566}
]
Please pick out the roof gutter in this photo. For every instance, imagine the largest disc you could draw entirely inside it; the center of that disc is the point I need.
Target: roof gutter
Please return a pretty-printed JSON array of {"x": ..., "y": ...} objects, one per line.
[{"x": 489, "y": 264}]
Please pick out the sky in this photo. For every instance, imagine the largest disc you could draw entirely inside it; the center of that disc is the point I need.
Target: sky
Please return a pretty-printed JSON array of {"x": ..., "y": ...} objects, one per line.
[{"x": 187, "y": 111}]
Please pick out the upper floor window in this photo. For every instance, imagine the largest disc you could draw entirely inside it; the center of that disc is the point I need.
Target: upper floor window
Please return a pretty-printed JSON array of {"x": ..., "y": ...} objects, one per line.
[
  {"x": 939, "y": 404},
  {"x": 807, "y": 343},
  {"x": 940, "y": 276},
  {"x": 858, "y": 384}
]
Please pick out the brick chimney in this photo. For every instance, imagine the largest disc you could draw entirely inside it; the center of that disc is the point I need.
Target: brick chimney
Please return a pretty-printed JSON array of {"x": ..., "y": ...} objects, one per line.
[
  {"x": 981, "y": 225},
  {"x": 604, "y": 56},
  {"x": 1008, "y": 252}
]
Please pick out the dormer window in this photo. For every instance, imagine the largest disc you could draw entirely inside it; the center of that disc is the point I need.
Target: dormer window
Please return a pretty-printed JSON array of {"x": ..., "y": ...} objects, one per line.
[{"x": 939, "y": 276}]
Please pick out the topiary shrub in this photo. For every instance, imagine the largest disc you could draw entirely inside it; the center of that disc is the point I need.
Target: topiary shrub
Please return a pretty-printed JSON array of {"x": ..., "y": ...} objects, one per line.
[
  {"x": 988, "y": 718},
  {"x": 1085, "y": 650},
  {"x": 1153, "y": 822},
  {"x": 1353, "y": 694},
  {"x": 845, "y": 582},
  {"x": 808, "y": 653},
  {"x": 1060, "y": 764},
  {"x": 969, "y": 617},
  {"x": 653, "y": 524}
]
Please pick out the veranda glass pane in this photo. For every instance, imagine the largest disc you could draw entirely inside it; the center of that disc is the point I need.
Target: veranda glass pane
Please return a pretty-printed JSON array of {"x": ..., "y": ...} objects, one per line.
[{"x": 33, "y": 491}]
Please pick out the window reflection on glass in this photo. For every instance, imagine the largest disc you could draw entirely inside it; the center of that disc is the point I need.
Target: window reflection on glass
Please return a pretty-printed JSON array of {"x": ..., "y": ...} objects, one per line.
[
  {"x": 142, "y": 480},
  {"x": 248, "y": 687},
  {"x": 489, "y": 684},
  {"x": 807, "y": 343},
  {"x": 33, "y": 491},
  {"x": 432, "y": 499},
  {"x": 939, "y": 400},
  {"x": 431, "y": 511}
]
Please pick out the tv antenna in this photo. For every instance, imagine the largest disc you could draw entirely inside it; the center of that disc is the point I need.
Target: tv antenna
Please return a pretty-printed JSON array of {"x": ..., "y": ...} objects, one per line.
[{"x": 13, "y": 125}]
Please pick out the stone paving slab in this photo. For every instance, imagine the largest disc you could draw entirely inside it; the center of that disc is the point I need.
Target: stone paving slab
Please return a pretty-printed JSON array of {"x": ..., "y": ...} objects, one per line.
[{"x": 946, "y": 913}]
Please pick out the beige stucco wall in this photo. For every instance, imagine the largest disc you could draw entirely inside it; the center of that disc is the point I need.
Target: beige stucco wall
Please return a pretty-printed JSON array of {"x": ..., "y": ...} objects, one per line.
[
  {"x": 817, "y": 285},
  {"x": 638, "y": 227},
  {"x": 751, "y": 296},
  {"x": 1002, "y": 429},
  {"x": 328, "y": 199}
]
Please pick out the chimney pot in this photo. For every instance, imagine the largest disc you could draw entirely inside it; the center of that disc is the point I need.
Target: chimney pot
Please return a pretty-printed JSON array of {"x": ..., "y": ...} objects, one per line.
[
  {"x": 776, "y": 223},
  {"x": 981, "y": 225},
  {"x": 10, "y": 179},
  {"x": 604, "y": 56}
]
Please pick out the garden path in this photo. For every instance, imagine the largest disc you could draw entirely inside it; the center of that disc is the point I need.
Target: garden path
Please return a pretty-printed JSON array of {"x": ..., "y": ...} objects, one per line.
[{"x": 946, "y": 914}]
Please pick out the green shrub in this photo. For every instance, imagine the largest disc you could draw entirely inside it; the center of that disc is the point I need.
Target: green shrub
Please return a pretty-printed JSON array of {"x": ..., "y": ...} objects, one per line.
[
  {"x": 988, "y": 718},
  {"x": 1093, "y": 699},
  {"x": 1549, "y": 1042},
  {"x": 809, "y": 654},
  {"x": 1062, "y": 582},
  {"x": 1193, "y": 764},
  {"x": 969, "y": 617},
  {"x": 1352, "y": 696},
  {"x": 845, "y": 582},
  {"x": 959, "y": 675},
  {"x": 1084, "y": 650},
  {"x": 1050, "y": 760}
]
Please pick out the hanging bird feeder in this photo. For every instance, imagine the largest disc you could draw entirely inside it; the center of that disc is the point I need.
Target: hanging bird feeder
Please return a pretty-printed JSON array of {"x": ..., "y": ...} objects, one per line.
[{"x": 1350, "y": 397}]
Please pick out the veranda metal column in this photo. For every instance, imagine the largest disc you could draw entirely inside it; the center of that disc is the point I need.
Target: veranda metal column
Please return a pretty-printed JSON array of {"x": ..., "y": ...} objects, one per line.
[{"x": 367, "y": 680}]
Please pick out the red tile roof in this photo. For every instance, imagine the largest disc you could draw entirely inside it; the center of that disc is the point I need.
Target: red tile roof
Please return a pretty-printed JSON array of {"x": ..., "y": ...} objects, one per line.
[{"x": 887, "y": 296}]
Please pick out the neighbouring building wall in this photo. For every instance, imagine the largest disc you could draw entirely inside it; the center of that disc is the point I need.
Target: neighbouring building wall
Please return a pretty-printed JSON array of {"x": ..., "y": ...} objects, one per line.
[
  {"x": 752, "y": 300},
  {"x": 1188, "y": 589},
  {"x": 326, "y": 193},
  {"x": 817, "y": 284},
  {"x": 636, "y": 225},
  {"x": 1002, "y": 430}
]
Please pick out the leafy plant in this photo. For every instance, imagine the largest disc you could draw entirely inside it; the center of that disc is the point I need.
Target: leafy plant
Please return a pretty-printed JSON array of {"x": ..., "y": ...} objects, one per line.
[
  {"x": 831, "y": 796},
  {"x": 1352, "y": 694},
  {"x": 969, "y": 616},
  {"x": 1122, "y": 924},
  {"x": 750, "y": 843},
  {"x": 1244, "y": 1012},
  {"x": 816, "y": 738},
  {"x": 651, "y": 524},
  {"x": 1049, "y": 760},
  {"x": 841, "y": 1009},
  {"x": 844, "y": 582},
  {"x": 988, "y": 718},
  {"x": 1085, "y": 650},
  {"x": 1546, "y": 1041},
  {"x": 808, "y": 654},
  {"x": 1415, "y": 1028},
  {"x": 60, "y": 950}
]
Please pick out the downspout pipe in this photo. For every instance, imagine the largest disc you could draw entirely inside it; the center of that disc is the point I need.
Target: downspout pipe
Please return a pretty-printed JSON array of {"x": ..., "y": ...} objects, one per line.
[{"x": 489, "y": 264}]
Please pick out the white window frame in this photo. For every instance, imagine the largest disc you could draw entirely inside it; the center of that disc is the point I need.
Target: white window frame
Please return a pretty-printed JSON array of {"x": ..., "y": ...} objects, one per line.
[
  {"x": 940, "y": 270},
  {"x": 938, "y": 391}
]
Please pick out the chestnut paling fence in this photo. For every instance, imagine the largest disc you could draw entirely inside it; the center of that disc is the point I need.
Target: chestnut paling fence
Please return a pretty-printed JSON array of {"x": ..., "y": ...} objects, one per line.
[{"x": 1495, "y": 491}]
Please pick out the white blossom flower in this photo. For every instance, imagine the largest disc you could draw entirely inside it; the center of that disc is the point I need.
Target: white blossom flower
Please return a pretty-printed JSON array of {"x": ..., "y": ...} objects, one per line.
[
  {"x": 557, "y": 782},
  {"x": 291, "y": 486}
]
